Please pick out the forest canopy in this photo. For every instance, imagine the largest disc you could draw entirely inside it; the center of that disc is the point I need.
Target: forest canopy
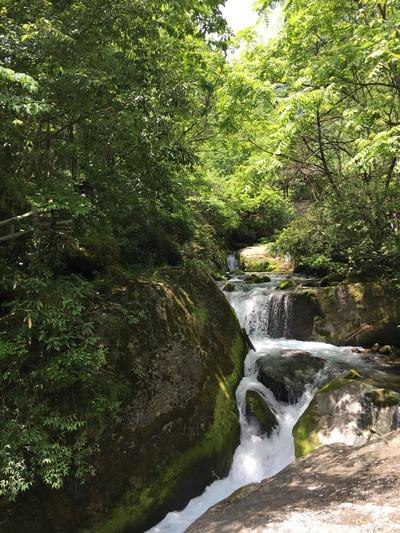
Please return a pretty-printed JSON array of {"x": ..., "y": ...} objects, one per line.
[{"x": 314, "y": 113}]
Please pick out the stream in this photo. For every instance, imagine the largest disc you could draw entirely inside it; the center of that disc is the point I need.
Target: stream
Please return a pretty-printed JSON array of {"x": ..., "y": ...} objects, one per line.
[{"x": 263, "y": 311}]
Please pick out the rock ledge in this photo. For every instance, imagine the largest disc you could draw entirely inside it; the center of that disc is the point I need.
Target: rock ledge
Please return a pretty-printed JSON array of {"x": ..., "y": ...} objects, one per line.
[{"x": 336, "y": 488}]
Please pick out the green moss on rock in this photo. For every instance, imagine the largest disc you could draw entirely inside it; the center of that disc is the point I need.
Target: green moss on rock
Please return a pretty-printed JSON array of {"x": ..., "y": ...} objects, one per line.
[
  {"x": 384, "y": 397},
  {"x": 350, "y": 404},
  {"x": 229, "y": 287},
  {"x": 200, "y": 312},
  {"x": 257, "y": 278},
  {"x": 177, "y": 426},
  {"x": 386, "y": 350},
  {"x": 332, "y": 279},
  {"x": 353, "y": 374},
  {"x": 305, "y": 440},
  {"x": 359, "y": 314},
  {"x": 257, "y": 407},
  {"x": 305, "y": 432},
  {"x": 286, "y": 284},
  {"x": 216, "y": 448}
]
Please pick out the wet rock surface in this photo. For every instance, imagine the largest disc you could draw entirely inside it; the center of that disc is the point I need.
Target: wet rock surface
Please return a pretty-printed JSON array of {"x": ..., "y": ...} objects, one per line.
[
  {"x": 348, "y": 411},
  {"x": 257, "y": 278},
  {"x": 288, "y": 372},
  {"x": 330, "y": 489},
  {"x": 348, "y": 314},
  {"x": 257, "y": 408},
  {"x": 336, "y": 488}
]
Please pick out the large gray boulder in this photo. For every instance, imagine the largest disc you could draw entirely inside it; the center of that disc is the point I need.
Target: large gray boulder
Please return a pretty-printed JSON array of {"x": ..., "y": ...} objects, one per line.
[
  {"x": 348, "y": 411},
  {"x": 336, "y": 488},
  {"x": 288, "y": 372},
  {"x": 347, "y": 314}
]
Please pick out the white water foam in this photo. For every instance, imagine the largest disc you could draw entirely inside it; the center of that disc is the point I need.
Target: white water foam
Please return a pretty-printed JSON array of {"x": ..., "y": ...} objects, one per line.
[
  {"x": 258, "y": 456},
  {"x": 232, "y": 262}
]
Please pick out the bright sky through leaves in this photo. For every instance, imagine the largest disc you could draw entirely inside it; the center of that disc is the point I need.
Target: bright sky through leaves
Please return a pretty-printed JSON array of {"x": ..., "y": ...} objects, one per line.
[{"x": 240, "y": 15}]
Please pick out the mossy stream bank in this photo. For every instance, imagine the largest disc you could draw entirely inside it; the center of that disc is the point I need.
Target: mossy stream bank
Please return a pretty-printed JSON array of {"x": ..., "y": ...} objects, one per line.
[
  {"x": 356, "y": 314},
  {"x": 180, "y": 363}
]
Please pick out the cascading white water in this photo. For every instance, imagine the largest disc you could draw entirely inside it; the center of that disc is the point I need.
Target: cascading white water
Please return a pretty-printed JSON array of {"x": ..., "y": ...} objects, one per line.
[
  {"x": 279, "y": 314},
  {"x": 261, "y": 310},
  {"x": 258, "y": 456},
  {"x": 232, "y": 262}
]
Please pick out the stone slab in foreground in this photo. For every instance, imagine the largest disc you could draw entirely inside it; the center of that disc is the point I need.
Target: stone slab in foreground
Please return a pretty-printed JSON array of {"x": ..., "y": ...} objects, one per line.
[{"x": 335, "y": 489}]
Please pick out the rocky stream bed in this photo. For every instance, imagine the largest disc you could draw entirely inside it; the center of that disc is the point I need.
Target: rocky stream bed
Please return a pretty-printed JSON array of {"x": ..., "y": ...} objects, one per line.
[
  {"x": 297, "y": 396},
  {"x": 202, "y": 421}
]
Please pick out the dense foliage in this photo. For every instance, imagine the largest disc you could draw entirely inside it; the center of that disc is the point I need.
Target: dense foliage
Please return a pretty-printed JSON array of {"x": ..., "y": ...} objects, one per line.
[
  {"x": 103, "y": 104},
  {"x": 315, "y": 112},
  {"x": 138, "y": 143}
]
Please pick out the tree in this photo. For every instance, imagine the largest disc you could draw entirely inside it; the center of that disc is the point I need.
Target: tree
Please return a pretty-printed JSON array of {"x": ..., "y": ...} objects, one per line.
[
  {"x": 102, "y": 108},
  {"x": 121, "y": 88},
  {"x": 318, "y": 112}
]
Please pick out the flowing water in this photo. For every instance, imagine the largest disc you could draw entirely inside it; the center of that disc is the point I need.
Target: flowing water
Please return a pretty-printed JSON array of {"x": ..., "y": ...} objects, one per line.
[
  {"x": 265, "y": 313},
  {"x": 232, "y": 262}
]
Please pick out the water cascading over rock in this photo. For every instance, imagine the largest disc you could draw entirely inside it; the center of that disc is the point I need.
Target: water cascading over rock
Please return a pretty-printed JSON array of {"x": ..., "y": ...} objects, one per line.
[
  {"x": 270, "y": 316},
  {"x": 278, "y": 315},
  {"x": 281, "y": 315},
  {"x": 232, "y": 262},
  {"x": 281, "y": 376}
]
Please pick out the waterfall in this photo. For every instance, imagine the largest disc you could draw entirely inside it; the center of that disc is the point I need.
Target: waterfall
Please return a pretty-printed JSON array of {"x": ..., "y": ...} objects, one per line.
[
  {"x": 257, "y": 457},
  {"x": 263, "y": 311},
  {"x": 266, "y": 314},
  {"x": 278, "y": 315},
  {"x": 232, "y": 262}
]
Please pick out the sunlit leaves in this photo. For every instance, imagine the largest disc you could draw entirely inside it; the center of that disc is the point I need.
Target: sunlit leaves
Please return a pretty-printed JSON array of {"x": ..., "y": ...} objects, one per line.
[
  {"x": 25, "y": 81},
  {"x": 328, "y": 129}
]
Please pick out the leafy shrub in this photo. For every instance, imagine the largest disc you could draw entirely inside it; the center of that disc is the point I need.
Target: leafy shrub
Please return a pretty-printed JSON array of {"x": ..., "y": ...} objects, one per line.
[
  {"x": 54, "y": 383},
  {"x": 358, "y": 236},
  {"x": 260, "y": 216}
]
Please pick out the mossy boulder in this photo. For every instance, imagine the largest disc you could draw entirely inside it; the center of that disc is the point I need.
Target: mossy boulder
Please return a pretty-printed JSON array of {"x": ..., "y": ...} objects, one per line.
[
  {"x": 347, "y": 410},
  {"x": 287, "y": 284},
  {"x": 257, "y": 278},
  {"x": 354, "y": 314},
  {"x": 384, "y": 397},
  {"x": 288, "y": 372},
  {"x": 386, "y": 350},
  {"x": 229, "y": 287},
  {"x": 257, "y": 408},
  {"x": 260, "y": 258},
  {"x": 176, "y": 353}
]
